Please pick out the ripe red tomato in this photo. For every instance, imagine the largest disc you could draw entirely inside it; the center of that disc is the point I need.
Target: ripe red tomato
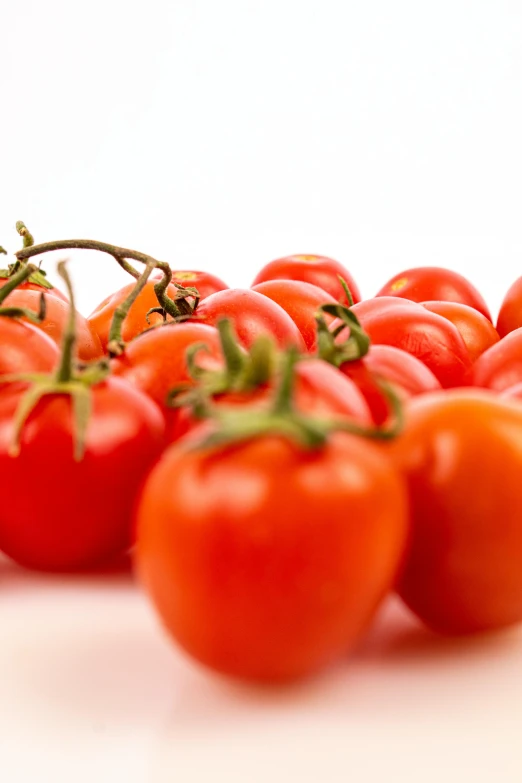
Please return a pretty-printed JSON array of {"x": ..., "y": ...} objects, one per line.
[
  {"x": 477, "y": 331},
  {"x": 28, "y": 285},
  {"x": 252, "y": 314},
  {"x": 320, "y": 390},
  {"x": 501, "y": 365},
  {"x": 321, "y": 271},
  {"x": 205, "y": 282},
  {"x": 24, "y": 348},
  {"x": 301, "y": 301},
  {"x": 274, "y": 579},
  {"x": 77, "y": 514},
  {"x": 407, "y": 375},
  {"x": 155, "y": 362},
  {"x": 57, "y": 313},
  {"x": 414, "y": 329},
  {"x": 136, "y": 321},
  {"x": 461, "y": 456},
  {"x": 510, "y": 314},
  {"x": 433, "y": 283}
]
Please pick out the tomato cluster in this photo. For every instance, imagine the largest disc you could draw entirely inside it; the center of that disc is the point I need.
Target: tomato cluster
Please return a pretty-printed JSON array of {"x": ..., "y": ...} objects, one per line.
[{"x": 277, "y": 459}]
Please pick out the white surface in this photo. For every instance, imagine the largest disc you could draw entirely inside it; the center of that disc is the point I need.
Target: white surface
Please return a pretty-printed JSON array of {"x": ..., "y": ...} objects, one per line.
[{"x": 220, "y": 135}]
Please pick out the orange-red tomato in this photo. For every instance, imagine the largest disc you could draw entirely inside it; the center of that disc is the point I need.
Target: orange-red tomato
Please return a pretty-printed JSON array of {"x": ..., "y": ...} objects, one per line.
[
  {"x": 461, "y": 455},
  {"x": 205, "y": 282},
  {"x": 24, "y": 348},
  {"x": 500, "y": 366},
  {"x": 28, "y": 285},
  {"x": 266, "y": 561},
  {"x": 477, "y": 331},
  {"x": 510, "y": 313}
]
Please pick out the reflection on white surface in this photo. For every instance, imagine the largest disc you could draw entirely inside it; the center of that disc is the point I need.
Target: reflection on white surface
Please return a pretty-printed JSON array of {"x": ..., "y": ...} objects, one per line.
[{"x": 92, "y": 690}]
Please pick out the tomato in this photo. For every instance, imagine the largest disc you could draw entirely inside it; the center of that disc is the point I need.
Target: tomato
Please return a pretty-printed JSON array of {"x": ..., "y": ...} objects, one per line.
[
  {"x": 414, "y": 329},
  {"x": 57, "y": 312},
  {"x": 136, "y": 320},
  {"x": 501, "y": 365},
  {"x": 461, "y": 455},
  {"x": 205, "y": 282},
  {"x": 301, "y": 301},
  {"x": 62, "y": 514},
  {"x": 28, "y": 285},
  {"x": 407, "y": 375},
  {"x": 433, "y": 283},
  {"x": 321, "y": 271},
  {"x": 512, "y": 392},
  {"x": 320, "y": 389},
  {"x": 252, "y": 314},
  {"x": 510, "y": 314},
  {"x": 477, "y": 331},
  {"x": 274, "y": 579},
  {"x": 24, "y": 348},
  {"x": 155, "y": 362}
]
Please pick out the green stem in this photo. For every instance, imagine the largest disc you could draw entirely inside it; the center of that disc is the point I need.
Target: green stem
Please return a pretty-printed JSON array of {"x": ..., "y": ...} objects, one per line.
[
  {"x": 17, "y": 279},
  {"x": 116, "y": 346},
  {"x": 64, "y": 373},
  {"x": 25, "y": 233}
]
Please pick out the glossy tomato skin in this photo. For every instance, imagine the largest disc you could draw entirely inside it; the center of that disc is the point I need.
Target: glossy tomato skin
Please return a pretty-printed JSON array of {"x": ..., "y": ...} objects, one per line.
[
  {"x": 461, "y": 455},
  {"x": 429, "y": 337},
  {"x": 272, "y": 581},
  {"x": 433, "y": 283},
  {"x": 252, "y": 314},
  {"x": 407, "y": 375},
  {"x": 136, "y": 321},
  {"x": 510, "y": 313},
  {"x": 301, "y": 301},
  {"x": 76, "y": 515},
  {"x": 319, "y": 389},
  {"x": 512, "y": 392},
  {"x": 205, "y": 282},
  {"x": 476, "y": 330},
  {"x": 321, "y": 271},
  {"x": 29, "y": 286},
  {"x": 24, "y": 348},
  {"x": 54, "y": 324},
  {"x": 500, "y": 366}
]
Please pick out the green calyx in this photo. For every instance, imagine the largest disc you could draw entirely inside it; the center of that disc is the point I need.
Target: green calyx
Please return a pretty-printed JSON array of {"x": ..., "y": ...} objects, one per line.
[
  {"x": 353, "y": 348},
  {"x": 67, "y": 380},
  {"x": 24, "y": 273}
]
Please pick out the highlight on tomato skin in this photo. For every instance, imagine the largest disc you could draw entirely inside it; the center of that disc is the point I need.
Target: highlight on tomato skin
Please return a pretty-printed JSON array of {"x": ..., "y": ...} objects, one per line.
[
  {"x": 433, "y": 283},
  {"x": 279, "y": 578},
  {"x": 321, "y": 271}
]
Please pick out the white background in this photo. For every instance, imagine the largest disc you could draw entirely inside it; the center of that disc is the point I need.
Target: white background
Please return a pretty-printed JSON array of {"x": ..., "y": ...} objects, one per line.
[{"x": 219, "y": 134}]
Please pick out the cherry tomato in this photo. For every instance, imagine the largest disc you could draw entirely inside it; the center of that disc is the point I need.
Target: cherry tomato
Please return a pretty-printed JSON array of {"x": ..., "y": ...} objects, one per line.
[
  {"x": 136, "y": 321},
  {"x": 57, "y": 312},
  {"x": 205, "y": 282},
  {"x": 414, "y": 329},
  {"x": 301, "y": 301},
  {"x": 461, "y": 456},
  {"x": 321, "y": 271},
  {"x": 433, "y": 283},
  {"x": 28, "y": 285},
  {"x": 510, "y": 314},
  {"x": 252, "y": 314},
  {"x": 24, "y": 348},
  {"x": 501, "y": 365},
  {"x": 320, "y": 389},
  {"x": 407, "y": 375},
  {"x": 477, "y": 331},
  {"x": 62, "y": 514},
  {"x": 275, "y": 578}
]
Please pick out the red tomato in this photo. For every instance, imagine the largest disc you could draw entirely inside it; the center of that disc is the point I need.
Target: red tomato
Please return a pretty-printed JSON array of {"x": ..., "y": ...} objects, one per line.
[
  {"x": 205, "y": 282},
  {"x": 461, "y": 456},
  {"x": 301, "y": 301},
  {"x": 252, "y": 314},
  {"x": 477, "y": 331},
  {"x": 321, "y": 271},
  {"x": 24, "y": 348},
  {"x": 76, "y": 514},
  {"x": 407, "y": 375},
  {"x": 278, "y": 577},
  {"x": 136, "y": 321},
  {"x": 155, "y": 362},
  {"x": 414, "y": 329},
  {"x": 57, "y": 313},
  {"x": 320, "y": 389},
  {"x": 501, "y": 365},
  {"x": 433, "y": 283},
  {"x": 510, "y": 314},
  {"x": 30, "y": 286}
]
